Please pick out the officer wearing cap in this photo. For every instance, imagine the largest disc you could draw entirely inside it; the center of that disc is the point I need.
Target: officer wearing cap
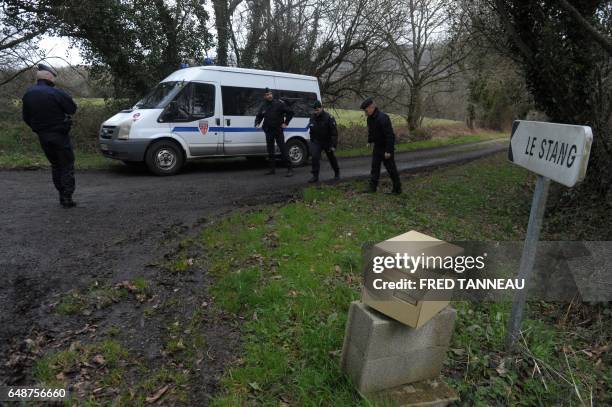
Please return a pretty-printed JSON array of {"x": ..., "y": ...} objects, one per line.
[
  {"x": 276, "y": 116},
  {"x": 380, "y": 133},
  {"x": 47, "y": 110},
  {"x": 323, "y": 137}
]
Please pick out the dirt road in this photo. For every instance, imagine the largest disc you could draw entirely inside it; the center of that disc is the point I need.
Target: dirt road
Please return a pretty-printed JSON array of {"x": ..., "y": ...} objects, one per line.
[{"x": 125, "y": 222}]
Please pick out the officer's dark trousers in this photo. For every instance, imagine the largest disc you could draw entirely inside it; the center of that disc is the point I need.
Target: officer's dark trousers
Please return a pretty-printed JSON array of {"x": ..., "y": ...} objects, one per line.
[
  {"x": 276, "y": 136},
  {"x": 378, "y": 157},
  {"x": 315, "y": 151},
  {"x": 58, "y": 149}
]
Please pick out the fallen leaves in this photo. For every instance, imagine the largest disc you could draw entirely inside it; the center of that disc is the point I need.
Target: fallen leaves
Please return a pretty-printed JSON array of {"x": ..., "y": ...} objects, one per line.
[
  {"x": 128, "y": 285},
  {"x": 99, "y": 359},
  {"x": 157, "y": 395},
  {"x": 501, "y": 368}
]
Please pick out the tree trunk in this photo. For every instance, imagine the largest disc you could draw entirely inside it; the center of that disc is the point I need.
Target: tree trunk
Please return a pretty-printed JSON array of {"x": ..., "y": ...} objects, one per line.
[
  {"x": 223, "y": 32},
  {"x": 415, "y": 109},
  {"x": 471, "y": 116},
  {"x": 260, "y": 11}
]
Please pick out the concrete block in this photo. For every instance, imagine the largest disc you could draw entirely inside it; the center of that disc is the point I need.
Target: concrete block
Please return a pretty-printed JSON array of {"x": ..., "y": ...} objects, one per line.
[
  {"x": 379, "y": 336},
  {"x": 380, "y": 353}
]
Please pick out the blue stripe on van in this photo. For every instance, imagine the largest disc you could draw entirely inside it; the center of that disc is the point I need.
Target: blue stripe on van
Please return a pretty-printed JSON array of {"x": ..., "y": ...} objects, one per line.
[{"x": 232, "y": 129}]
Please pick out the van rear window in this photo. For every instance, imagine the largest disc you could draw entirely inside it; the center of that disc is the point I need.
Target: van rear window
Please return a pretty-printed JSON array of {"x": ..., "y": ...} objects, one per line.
[{"x": 239, "y": 101}]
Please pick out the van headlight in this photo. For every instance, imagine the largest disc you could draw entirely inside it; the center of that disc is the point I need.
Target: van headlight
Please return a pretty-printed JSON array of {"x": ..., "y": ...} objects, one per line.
[{"x": 123, "y": 132}]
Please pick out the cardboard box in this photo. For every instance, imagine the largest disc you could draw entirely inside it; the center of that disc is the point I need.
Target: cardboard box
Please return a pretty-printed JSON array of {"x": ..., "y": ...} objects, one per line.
[{"x": 410, "y": 307}]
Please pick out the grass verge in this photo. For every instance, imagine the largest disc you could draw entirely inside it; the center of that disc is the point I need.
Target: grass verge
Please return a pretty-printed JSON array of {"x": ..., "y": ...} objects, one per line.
[
  {"x": 419, "y": 145},
  {"x": 19, "y": 148},
  {"x": 349, "y": 117},
  {"x": 98, "y": 374},
  {"x": 37, "y": 160},
  {"x": 291, "y": 271},
  {"x": 30, "y": 156}
]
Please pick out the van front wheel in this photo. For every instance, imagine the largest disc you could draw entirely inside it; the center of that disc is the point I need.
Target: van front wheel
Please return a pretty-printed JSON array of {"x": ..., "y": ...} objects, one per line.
[
  {"x": 164, "y": 158},
  {"x": 298, "y": 153}
]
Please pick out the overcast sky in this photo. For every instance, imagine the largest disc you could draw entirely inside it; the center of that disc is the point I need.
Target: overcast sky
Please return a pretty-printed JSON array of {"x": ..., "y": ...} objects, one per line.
[{"x": 60, "y": 47}]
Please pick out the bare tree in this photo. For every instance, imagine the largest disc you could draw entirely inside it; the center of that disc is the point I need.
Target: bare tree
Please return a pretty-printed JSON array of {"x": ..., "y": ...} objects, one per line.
[
  {"x": 224, "y": 9},
  {"x": 248, "y": 27},
  {"x": 18, "y": 43},
  {"x": 334, "y": 41},
  {"x": 418, "y": 34}
]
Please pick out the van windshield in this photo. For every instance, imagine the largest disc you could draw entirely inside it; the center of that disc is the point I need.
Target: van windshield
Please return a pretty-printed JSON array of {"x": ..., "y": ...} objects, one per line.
[{"x": 161, "y": 95}]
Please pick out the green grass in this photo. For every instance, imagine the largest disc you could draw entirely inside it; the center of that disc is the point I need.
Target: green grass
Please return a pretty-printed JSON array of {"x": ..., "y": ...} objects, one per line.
[
  {"x": 35, "y": 160},
  {"x": 101, "y": 296},
  {"x": 292, "y": 270},
  {"x": 19, "y": 149},
  {"x": 110, "y": 367},
  {"x": 418, "y": 145},
  {"x": 53, "y": 369},
  {"x": 90, "y": 101},
  {"x": 78, "y": 101},
  {"x": 346, "y": 117}
]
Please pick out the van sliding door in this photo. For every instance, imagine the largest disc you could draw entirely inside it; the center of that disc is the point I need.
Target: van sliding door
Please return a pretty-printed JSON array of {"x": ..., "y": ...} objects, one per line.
[{"x": 240, "y": 106}]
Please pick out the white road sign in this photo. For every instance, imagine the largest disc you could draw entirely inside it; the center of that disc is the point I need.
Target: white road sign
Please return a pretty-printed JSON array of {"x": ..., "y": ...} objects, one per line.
[{"x": 556, "y": 151}]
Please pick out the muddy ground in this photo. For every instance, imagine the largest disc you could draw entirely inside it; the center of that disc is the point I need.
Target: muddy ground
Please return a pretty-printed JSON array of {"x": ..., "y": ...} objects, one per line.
[{"x": 129, "y": 224}]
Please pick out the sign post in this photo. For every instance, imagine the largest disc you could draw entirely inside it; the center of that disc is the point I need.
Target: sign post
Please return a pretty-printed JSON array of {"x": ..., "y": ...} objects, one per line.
[{"x": 557, "y": 152}]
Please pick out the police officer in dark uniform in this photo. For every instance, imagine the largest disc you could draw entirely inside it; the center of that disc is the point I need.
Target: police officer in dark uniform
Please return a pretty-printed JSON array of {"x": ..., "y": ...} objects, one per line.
[
  {"x": 323, "y": 137},
  {"x": 47, "y": 110},
  {"x": 276, "y": 116},
  {"x": 380, "y": 133}
]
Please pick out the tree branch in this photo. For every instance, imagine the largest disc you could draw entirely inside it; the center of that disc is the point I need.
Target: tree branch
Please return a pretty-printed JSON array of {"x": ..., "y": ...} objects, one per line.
[
  {"x": 605, "y": 42},
  {"x": 23, "y": 39}
]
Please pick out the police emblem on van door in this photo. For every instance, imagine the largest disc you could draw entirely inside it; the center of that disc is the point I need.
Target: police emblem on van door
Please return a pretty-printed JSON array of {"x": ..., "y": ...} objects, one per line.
[{"x": 203, "y": 125}]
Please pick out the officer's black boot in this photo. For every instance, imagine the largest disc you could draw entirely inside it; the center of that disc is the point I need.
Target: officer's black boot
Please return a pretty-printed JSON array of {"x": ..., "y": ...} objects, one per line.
[
  {"x": 315, "y": 178},
  {"x": 67, "y": 202},
  {"x": 337, "y": 175}
]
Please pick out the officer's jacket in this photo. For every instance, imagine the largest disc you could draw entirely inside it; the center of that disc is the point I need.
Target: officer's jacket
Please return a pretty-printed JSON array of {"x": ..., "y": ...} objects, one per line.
[
  {"x": 380, "y": 132},
  {"x": 273, "y": 113},
  {"x": 46, "y": 108},
  {"x": 323, "y": 129}
]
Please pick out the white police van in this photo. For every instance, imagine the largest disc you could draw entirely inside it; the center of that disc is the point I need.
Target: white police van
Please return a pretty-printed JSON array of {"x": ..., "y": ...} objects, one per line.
[{"x": 207, "y": 111}]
